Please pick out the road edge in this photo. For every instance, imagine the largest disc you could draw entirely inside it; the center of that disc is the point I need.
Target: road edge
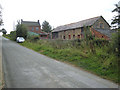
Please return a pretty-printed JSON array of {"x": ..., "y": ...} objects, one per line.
[{"x": 1, "y": 67}]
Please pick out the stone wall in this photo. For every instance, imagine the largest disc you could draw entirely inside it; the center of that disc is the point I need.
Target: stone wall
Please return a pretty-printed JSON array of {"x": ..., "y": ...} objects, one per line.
[
  {"x": 101, "y": 24},
  {"x": 100, "y": 35},
  {"x": 70, "y": 34}
]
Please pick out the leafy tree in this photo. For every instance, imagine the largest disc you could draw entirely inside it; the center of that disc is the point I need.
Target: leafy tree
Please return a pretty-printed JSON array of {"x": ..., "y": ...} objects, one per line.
[
  {"x": 115, "y": 43},
  {"x": 88, "y": 38},
  {"x": 21, "y": 31},
  {"x": 46, "y": 27},
  {"x": 1, "y": 16},
  {"x": 88, "y": 34},
  {"x": 12, "y": 35},
  {"x": 116, "y": 19},
  {"x": 4, "y": 31}
]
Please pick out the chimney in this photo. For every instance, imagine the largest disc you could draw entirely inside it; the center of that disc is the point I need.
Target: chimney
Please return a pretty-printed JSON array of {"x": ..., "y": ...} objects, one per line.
[
  {"x": 21, "y": 21},
  {"x": 38, "y": 21}
]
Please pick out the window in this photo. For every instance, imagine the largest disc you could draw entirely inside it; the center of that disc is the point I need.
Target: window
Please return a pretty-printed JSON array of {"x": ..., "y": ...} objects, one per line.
[
  {"x": 37, "y": 28},
  {"x": 32, "y": 28},
  {"x": 82, "y": 29},
  {"x": 73, "y": 36},
  {"x": 69, "y": 36},
  {"x": 78, "y": 36},
  {"x": 64, "y": 37}
]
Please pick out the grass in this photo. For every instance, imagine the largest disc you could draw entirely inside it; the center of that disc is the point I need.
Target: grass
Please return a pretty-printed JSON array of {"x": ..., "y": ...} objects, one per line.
[{"x": 101, "y": 63}]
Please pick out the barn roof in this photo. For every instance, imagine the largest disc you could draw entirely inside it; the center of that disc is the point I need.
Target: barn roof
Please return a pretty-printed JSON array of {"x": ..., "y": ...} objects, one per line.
[
  {"x": 106, "y": 32},
  {"x": 87, "y": 22}
]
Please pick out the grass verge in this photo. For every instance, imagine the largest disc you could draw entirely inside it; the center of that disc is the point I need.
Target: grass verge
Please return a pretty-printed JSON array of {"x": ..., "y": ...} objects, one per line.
[{"x": 101, "y": 63}]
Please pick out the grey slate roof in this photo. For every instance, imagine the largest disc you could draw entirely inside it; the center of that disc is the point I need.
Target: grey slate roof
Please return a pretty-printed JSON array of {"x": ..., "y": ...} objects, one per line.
[
  {"x": 30, "y": 23},
  {"x": 106, "y": 32},
  {"x": 87, "y": 22}
]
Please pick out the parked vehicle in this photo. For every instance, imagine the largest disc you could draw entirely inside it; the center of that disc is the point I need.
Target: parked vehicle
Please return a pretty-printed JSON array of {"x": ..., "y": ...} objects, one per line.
[{"x": 20, "y": 39}]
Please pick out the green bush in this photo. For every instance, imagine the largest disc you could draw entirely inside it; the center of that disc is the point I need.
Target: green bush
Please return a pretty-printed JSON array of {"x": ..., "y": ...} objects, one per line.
[
  {"x": 21, "y": 30},
  {"x": 33, "y": 38},
  {"x": 115, "y": 43},
  {"x": 12, "y": 35}
]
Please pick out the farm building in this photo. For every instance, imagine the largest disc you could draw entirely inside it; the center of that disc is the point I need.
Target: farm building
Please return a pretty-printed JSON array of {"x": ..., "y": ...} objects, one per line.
[
  {"x": 98, "y": 26},
  {"x": 34, "y": 28}
]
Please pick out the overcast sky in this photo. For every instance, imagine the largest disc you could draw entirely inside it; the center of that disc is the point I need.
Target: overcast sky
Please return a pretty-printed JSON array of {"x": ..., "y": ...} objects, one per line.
[{"x": 56, "y": 12}]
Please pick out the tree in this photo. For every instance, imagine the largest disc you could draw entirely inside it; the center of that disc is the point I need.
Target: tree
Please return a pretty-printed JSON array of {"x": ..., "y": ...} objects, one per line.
[
  {"x": 116, "y": 19},
  {"x": 46, "y": 27},
  {"x": 115, "y": 42},
  {"x": 88, "y": 38},
  {"x": 12, "y": 35},
  {"x": 21, "y": 30},
  {"x": 4, "y": 31},
  {"x": 1, "y": 16}
]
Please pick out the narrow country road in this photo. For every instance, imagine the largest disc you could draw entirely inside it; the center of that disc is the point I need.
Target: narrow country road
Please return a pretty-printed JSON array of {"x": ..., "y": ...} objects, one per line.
[{"x": 24, "y": 68}]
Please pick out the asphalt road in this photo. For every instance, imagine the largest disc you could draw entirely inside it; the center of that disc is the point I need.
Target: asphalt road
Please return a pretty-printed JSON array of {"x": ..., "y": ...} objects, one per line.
[{"x": 24, "y": 68}]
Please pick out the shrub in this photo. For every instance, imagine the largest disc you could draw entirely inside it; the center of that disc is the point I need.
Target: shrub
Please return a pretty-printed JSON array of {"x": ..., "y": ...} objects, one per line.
[
  {"x": 21, "y": 30},
  {"x": 115, "y": 43},
  {"x": 33, "y": 38},
  {"x": 12, "y": 35}
]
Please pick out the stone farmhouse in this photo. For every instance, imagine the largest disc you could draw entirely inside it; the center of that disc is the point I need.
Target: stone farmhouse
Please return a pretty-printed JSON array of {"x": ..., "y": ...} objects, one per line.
[
  {"x": 34, "y": 28},
  {"x": 98, "y": 26}
]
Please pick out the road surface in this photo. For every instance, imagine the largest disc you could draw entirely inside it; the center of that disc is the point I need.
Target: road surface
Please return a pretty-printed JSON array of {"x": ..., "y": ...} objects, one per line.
[{"x": 24, "y": 68}]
